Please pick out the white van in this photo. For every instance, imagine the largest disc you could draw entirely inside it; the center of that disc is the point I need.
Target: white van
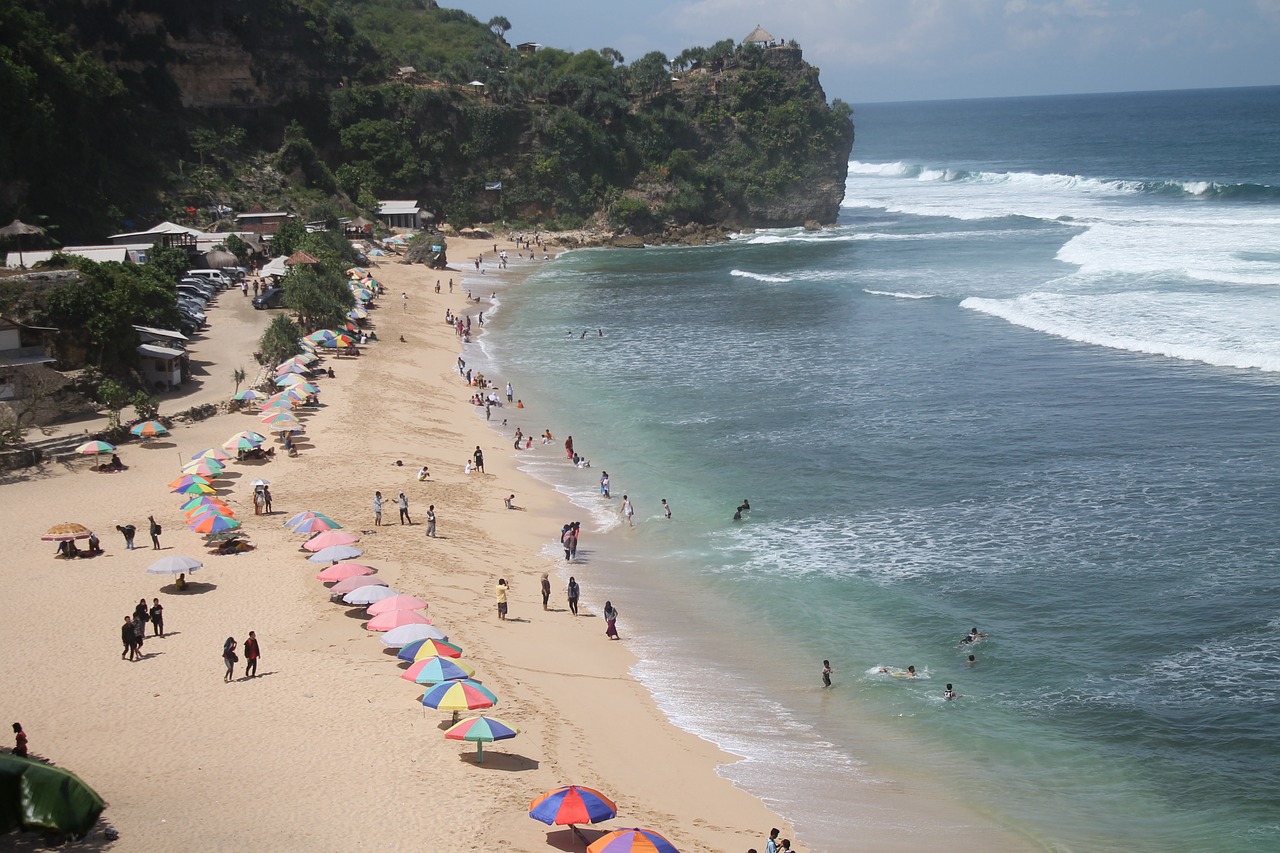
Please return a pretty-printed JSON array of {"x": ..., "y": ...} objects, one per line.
[{"x": 218, "y": 277}]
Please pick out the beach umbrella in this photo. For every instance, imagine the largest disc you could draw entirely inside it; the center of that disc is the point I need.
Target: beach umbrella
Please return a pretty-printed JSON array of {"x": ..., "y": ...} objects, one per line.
[
  {"x": 358, "y": 314},
  {"x": 342, "y": 571},
  {"x": 433, "y": 670},
  {"x": 149, "y": 429},
  {"x": 208, "y": 508},
  {"x": 66, "y": 532},
  {"x": 290, "y": 367},
  {"x": 351, "y": 584},
  {"x": 278, "y": 403},
  {"x": 632, "y": 841},
  {"x": 338, "y": 341},
  {"x": 215, "y": 453},
  {"x": 428, "y": 647},
  {"x": 466, "y": 695},
  {"x": 395, "y": 619},
  {"x": 289, "y": 379},
  {"x": 398, "y": 638},
  {"x": 16, "y": 229},
  {"x": 400, "y": 602},
  {"x": 481, "y": 730},
  {"x": 193, "y": 488},
  {"x": 222, "y": 536},
  {"x": 329, "y": 537},
  {"x": 250, "y": 435},
  {"x": 335, "y": 554},
  {"x": 294, "y": 393},
  {"x": 239, "y": 443},
  {"x": 95, "y": 448},
  {"x": 247, "y": 394},
  {"x": 572, "y": 804},
  {"x": 215, "y": 524},
  {"x": 39, "y": 797},
  {"x": 311, "y": 522},
  {"x": 366, "y": 595},
  {"x": 174, "y": 565},
  {"x": 188, "y": 479},
  {"x": 205, "y": 467},
  {"x": 204, "y": 501},
  {"x": 321, "y": 335}
]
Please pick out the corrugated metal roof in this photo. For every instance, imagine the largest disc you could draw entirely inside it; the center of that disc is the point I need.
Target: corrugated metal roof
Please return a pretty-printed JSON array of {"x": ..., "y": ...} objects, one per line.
[
  {"x": 99, "y": 254},
  {"x": 156, "y": 351},
  {"x": 392, "y": 208}
]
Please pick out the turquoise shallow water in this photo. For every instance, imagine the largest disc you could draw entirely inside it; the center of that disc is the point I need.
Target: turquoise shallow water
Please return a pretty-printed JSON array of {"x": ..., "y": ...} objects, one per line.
[{"x": 1030, "y": 383}]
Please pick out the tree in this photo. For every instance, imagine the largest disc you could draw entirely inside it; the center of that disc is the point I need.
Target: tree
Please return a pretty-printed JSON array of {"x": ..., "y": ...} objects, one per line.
[
  {"x": 238, "y": 376},
  {"x": 612, "y": 55},
  {"x": 145, "y": 406},
  {"x": 114, "y": 396},
  {"x": 237, "y": 247},
  {"x": 499, "y": 26},
  {"x": 288, "y": 239},
  {"x": 321, "y": 299},
  {"x": 279, "y": 341}
]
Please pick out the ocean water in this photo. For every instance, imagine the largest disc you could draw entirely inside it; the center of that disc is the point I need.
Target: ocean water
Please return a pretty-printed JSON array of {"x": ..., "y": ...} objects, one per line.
[{"x": 1030, "y": 383}]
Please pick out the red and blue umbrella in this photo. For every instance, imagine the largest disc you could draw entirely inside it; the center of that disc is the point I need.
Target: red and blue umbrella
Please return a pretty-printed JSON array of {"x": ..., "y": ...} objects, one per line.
[
  {"x": 572, "y": 804},
  {"x": 433, "y": 670},
  {"x": 481, "y": 730},
  {"x": 632, "y": 841},
  {"x": 427, "y": 647},
  {"x": 458, "y": 696}
]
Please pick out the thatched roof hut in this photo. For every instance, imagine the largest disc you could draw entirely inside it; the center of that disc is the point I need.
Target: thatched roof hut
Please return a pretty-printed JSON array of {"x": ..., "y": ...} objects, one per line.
[{"x": 759, "y": 36}]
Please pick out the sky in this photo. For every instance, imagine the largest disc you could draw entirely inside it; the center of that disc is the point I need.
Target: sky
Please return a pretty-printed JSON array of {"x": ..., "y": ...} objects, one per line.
[{"x": 910, "y": 50}]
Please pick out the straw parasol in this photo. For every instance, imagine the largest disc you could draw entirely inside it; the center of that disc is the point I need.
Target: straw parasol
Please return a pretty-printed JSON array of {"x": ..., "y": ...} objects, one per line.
[{"x": 17, "y": 228}]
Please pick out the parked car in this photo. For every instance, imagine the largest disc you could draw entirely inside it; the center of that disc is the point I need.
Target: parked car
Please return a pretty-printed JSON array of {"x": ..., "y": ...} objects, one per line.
[
  {"x": 208, "y": 287},
  {"x": 272, "y": 297},
  {"x": 216, "y": 276}
]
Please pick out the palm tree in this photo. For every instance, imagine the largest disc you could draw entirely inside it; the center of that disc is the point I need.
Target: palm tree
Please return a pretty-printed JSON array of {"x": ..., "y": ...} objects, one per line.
[{"x": 238, "y": 375}]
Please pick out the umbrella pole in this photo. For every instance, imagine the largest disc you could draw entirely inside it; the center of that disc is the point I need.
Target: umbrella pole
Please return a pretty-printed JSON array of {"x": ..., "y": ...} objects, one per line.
[
  {"x": 479, "y": 752},
  {"x": 578, "y": 833}
]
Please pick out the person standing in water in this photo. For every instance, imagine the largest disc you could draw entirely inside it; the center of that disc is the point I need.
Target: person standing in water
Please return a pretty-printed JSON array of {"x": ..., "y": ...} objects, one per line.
[
  {"x": 666, "y": 508},
  {"x": 628, "y": 510},
  {"x": 826, "y": 673}
]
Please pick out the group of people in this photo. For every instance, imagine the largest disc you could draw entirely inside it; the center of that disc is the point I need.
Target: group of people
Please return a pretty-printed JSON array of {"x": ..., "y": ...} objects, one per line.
[
  {"x": 774, "y": 844},
  {"x": 68, "y": 550},
  {"x": 134, "y": 630},
  {"x": 252, "y": 652},
  {"x": 949, "y": 693},
  {"x": 262, "y": 500},
  {"x": 128, "y": 531}
]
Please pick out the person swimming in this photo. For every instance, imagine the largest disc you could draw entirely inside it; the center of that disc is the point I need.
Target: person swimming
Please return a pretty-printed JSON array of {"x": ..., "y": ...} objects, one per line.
[
  {"x": 972, "y": 637},
  {"x": 949, "y": 694}
]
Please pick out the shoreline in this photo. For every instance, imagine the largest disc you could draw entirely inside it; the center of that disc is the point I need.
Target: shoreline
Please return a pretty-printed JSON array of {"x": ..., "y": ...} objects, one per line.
[{"x": 327, "y": 708}]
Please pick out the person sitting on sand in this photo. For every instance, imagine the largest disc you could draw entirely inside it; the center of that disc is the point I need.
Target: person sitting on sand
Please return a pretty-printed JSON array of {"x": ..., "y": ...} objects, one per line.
[
  {"x": 95, "y": 547},
  {"x": 115, "y": 464},
  {"x": 181, "y": 583},
  {"x": 423, "y": 474}
]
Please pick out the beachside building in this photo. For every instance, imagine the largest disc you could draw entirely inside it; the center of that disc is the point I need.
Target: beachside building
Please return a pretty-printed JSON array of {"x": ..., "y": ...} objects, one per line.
[
  {"x": 401, "y": 214},
  {"x": 528, "y": 48},
  {"x": 161, "y": 366},
  {"x": 23, "y": 344},
  {"x": 134, "y": 253},
  {"x": 759, "y": 36},
  {"x": 263, "y": 223},
  {"x": 169, "y": 235},
  {"x": 167, "y": 338}
]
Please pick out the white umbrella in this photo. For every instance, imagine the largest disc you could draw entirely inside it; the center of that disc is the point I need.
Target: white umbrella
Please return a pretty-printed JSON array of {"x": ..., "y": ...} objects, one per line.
[
  {"x": 404, "y": 635},
  {"x": 260, "y": 483},
  {"x": 366, "y": 595},
  {"x": 335, "y": 554},
  {"x": 174, "y": 565}
]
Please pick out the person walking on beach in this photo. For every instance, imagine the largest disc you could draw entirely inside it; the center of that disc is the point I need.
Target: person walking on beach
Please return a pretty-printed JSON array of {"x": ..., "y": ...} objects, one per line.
[
  {"x": 826, "y": 673},
  {"x": 610, "y": 621},
  {"x": 19, "y": 741},
  {"x": 502, "y": 599},
  {"x": 565, "y": 533},
  {"x": 573, "y": 591},
  {"x": 573, "y": 539},
  {"x": 139, "y": 633},
  {"x": 129, "y": 639},
  {"x": 377, "y": 509},
  {"x": 142, "y": 611},
  {"x": 266, "y": 499},
  {"x": 251, "y": 654},
  {"x": 403, "y": 503},
  {"x": 157, "y": 618},
  {"x": 628, "y": 510},
  {"x": 404, "y": 302},
  {"x": 229, "y": 657},
  {"x": 546, "y": 590},
  {"x": 431, "y": 521},
  {"x": 771, "y": 846},
  {"x": 479, "y": 457},
  {"x": 154, "y": 530},
  {"x": 128, "y": 531}
]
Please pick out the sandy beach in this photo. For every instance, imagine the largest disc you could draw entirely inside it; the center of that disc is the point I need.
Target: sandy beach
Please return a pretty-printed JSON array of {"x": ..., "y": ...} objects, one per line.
[{"x": 327, "y": 749}]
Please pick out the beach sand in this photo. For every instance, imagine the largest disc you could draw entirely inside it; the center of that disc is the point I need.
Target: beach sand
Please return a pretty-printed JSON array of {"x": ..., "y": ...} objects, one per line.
[{"x": 327, "y": 749}]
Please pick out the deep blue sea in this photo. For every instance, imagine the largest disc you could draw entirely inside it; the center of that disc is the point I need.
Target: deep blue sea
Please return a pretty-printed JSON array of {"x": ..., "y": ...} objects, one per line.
[{"x": 1030, "y": 383}]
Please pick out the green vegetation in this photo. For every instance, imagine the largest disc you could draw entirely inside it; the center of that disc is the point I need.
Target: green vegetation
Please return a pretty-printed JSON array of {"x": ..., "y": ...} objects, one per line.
[
  {"x": 279, "y": 341},
  {"x": 330, "y": 123}
]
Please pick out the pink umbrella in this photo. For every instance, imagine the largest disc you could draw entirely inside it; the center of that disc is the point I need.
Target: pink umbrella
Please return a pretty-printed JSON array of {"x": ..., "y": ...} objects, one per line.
[
  {"x": 395, "y": 619},
  {"x": 327, "y": 538},
  {"x": 342, "y": 571},
  {"x": 396, "y": 602},
  {"x": 351, "y": 584}
]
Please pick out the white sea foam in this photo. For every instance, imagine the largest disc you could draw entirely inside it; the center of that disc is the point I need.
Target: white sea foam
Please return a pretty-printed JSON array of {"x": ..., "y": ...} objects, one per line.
[
  {"x": 772, "y": 279},
  {"x": 1212, "y": 328},
  {"x": 899, "y": 295}
]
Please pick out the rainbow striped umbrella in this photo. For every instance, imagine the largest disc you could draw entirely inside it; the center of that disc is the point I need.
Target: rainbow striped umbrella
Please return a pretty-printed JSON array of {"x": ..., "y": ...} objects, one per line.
[
  {"x": 290, "y": 367},
  {"x": 215, "y": 453},
  {"x": 464, "y": 695},
  {"x": 188, "y": 479},
  {"x": 149, "y": 429},
  {"x": 434, "y": 670},
  {"x": 240, "y": 442},
  {"x": 95, "y": 448},
  {"x": 311, "y": 522},
  {"x": 481, "y": 730},
  {"x": 321, "y": 336},
  {"x": 203, "y": 500},
  {"x": 193, "y": 488},
  {"x": 632, "y": 841},
  {"x": 571, "y": 805},
  {"x": 205, "y": 467},
  {"x": 429, "y": 647},
  {"x": 215, "y": 524},
  {"x": 247, "y": 394}
]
